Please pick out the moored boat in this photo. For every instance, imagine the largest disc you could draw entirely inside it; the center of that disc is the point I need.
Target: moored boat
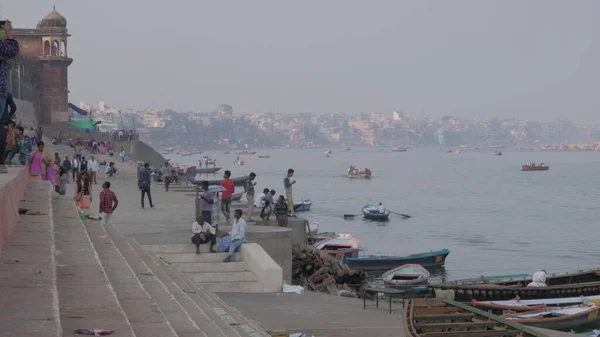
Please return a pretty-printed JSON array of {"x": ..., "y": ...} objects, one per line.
[
  {"x": 302, "y": 206},
  {"x": 208, "y": 170},
  {"x": 533, "y": 167},
  {"x": 437, "y": 317},
  {"x": 371, "y": 212},
  {"x": 313, "y": 228},
  {"x": 565, "y": 318},
  {"x": 239, "y": 181},
  {"x": 529, "y": 305},
  {"x": 406, "y": 275},
  {"x": 399, "y": 149},
  {"x": 264, "y": 157},
  {"x": 339, "y": 245},
  {"x": 245, "y": 152},
  {"x": 379, "y": 264},
  {"x": 573, "y": 284}
]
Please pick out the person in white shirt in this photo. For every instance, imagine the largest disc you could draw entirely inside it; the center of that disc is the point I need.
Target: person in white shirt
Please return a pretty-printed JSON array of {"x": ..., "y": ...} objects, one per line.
[
  {"x": 380, "y": 209},
  {"x": 203, "y": 233},
  {"x": 93, "y": 167},
  {"x": 75, "y": 167},
  {"x": 259, "y": 201},
  {"x": 235, "y": 238}
]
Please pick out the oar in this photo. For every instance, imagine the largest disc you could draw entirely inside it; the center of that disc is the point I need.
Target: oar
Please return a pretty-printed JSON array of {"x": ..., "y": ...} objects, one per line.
[
  {"x": 350, "y": 216},
  {"x": 405, "y": 216}
]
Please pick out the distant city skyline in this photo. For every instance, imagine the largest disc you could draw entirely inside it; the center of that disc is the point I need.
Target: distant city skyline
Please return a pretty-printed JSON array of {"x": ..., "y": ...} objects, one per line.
[{"x": 533, "y": 60}]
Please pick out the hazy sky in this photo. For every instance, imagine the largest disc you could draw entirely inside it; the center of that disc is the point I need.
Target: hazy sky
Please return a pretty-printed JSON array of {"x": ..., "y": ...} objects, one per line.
[{"x": 510, "y": 58}]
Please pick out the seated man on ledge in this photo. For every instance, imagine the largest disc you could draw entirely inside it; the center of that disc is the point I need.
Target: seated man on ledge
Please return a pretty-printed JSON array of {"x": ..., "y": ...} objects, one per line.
[
  {"x": 203, "y": 233},
  {"x": 232, "y": 241}
]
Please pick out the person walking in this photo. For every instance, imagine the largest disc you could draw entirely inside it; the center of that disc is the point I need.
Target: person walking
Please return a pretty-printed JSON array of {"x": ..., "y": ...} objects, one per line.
[
  {"x": 108, "y": 203},
  {"x": 122, "y": 155},
  {"x": 288, "y": 182},
  {"x": 208, "y": 200},
  {"x": 249, "y": 189},
  {"x": 166, "y": 171},
  {"x": 235, "y": 238},
  {"x": 227, "y": 194},
  {"x": 144, "y": 184},
  {"x": 66, "y": 164}
]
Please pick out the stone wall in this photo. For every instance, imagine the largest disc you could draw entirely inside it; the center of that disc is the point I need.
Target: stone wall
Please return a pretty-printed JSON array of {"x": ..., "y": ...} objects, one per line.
[
  {"x": 26, "y": 113},
  {"x": 12, "y": 190},
  {"x": 140, "y": 151}
]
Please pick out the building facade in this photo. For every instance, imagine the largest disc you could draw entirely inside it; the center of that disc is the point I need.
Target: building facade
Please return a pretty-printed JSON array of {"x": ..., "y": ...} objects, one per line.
[{"x": 44, "y": 52}]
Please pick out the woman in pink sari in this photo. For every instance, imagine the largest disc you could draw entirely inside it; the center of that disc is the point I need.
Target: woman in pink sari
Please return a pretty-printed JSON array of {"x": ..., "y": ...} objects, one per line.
[{"x": 38, "y": 163}]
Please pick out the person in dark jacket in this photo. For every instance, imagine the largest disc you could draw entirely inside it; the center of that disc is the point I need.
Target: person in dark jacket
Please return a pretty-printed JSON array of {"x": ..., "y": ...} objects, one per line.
[{"x": 144, "y": 181}]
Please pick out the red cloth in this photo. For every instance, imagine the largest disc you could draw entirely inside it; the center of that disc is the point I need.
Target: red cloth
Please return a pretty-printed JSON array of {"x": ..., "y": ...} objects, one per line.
[
  {"x": 230, "y": 188},
  {"x": 108, "y": 201}
]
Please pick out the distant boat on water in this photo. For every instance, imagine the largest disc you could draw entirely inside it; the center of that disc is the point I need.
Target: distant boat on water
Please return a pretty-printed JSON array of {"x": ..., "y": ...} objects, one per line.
[{"x": 399, "y": 149}]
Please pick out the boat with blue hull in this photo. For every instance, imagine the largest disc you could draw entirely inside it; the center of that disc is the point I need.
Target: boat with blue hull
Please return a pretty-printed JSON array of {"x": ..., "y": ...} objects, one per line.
[{"x": 379, "y": 264}]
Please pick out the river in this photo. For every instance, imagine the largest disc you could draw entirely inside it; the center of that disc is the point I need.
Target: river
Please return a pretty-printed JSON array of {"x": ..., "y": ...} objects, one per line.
[{"x": 492, "y": 217}]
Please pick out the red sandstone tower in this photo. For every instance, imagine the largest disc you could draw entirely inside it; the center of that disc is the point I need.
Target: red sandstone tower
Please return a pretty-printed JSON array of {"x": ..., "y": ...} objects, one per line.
[{"x": 44, "y": 52}]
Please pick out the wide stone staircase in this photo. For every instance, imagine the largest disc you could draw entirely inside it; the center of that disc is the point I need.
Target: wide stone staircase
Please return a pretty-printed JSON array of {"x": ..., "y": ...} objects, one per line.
[
  {"x": 59, "y": 273},
  {"x": 207, "y": 269}
]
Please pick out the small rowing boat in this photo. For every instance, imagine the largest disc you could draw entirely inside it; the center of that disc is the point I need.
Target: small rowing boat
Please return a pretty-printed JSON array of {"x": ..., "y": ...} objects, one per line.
[
  {"x": 302, "y": 206},
  {"x": 406, "y": 275},
  {"x": 565, "y": 319},
  {"x": 533, "y": 167},
  {"x": 371, "y": 212},
  {"x": 379, "y": 264}
]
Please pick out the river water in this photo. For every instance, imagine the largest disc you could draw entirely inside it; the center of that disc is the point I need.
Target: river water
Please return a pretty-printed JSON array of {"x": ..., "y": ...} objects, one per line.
[{"x": 492, "y": 217}]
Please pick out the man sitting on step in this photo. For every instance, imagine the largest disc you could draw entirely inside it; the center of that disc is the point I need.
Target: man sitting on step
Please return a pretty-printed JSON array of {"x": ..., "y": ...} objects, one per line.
[
  {"x": 232, "y": 241},
  {"x": 203, "y": 233}
]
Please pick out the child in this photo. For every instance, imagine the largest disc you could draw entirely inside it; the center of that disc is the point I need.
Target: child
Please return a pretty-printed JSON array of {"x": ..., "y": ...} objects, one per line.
[
  {"x": 108, "y": 203},
  {"x": 203, "y": 233},
  {"x": 281, "y": 212},
  {"x": 63, "y": 180}
]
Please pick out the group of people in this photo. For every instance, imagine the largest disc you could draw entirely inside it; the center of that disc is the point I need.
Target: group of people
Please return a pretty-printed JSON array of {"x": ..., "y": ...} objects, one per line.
[{"x": 125, "y": 136}]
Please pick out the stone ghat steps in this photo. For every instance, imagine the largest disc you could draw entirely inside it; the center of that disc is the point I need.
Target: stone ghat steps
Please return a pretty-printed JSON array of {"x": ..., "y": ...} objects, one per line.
[
  {"x": 183, "y": 308},
  {"x": 28, "y": 289}
]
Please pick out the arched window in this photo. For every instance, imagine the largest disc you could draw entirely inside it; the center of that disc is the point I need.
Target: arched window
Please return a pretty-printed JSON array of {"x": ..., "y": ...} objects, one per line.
[
  {"x": 55, "y": 48},
  {"x": 46, "y": 48},
  {"x": 63, "y": 48}
]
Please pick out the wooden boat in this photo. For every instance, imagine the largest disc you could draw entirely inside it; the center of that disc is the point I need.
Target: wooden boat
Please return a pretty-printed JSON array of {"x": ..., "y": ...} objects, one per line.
[
  {"x": 302, "y": 206},
  {"x": 529, "y": 305},
  {"x": 540, "y": 167},
  {"x": 370, "y": 212},
  {"x": 339, "y": 245},
  {"x": 237, "y": 196},
  {"x": 379, "y": 264},
  {"x": 430, "y": 317},
  {"x": 565, "y": 318},
  {"x": 208, "y": 170},
  {"x": 313, "y": 228},
  {"x": 491, "y": 279},
  {"x": 265, "y": 157},
  {"x": 573, "y": 284},
  {"x": 354, "y": 173},
  {"x": 245, "y": 152},
  {"x": 498, "y": 153},
  {"x": 398, "y": 149},
  {"x": 239, "y": 181},
  {"x": 406, "y": 275}
]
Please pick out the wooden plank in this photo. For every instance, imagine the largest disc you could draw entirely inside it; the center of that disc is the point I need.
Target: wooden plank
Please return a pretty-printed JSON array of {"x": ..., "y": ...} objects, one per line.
[
  {"x": 432, "y": 317},
  {"x": 429, "y": 302},
  {"x": 457, "y": 325},
  {"x": 485, "y": 333},
  {"x": 437, "y": 310}
]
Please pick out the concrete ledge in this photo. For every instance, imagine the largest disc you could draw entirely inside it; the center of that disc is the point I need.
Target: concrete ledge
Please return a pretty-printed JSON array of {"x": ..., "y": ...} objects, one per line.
[
  {"x": 263, "y": 266},
  {"x": 12, "y": 191}
]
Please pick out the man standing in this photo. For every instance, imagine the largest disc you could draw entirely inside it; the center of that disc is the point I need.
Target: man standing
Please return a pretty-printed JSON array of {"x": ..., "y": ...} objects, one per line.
[
  {"x": 75, "y": 166},
  {"x": 9, "y": 48},
  {"x": 208, "y": 200},
  {"x": 144, "y": 184},
  {"x": 94, "y": 167},
  {"x": 66, "y": 164},
  {"x": 249, "y": 189},
  {"x": 287, "y": 184},
  {"x": 235, "y": 238},
  {"x": 226, "y": 195},
  {"x": 167, "y": 176},
  {"x": 108, "y": 203}
]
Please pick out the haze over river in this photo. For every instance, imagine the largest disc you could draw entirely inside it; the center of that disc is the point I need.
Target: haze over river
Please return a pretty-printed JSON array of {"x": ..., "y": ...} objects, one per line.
[{"x": 494, "y": 218}]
